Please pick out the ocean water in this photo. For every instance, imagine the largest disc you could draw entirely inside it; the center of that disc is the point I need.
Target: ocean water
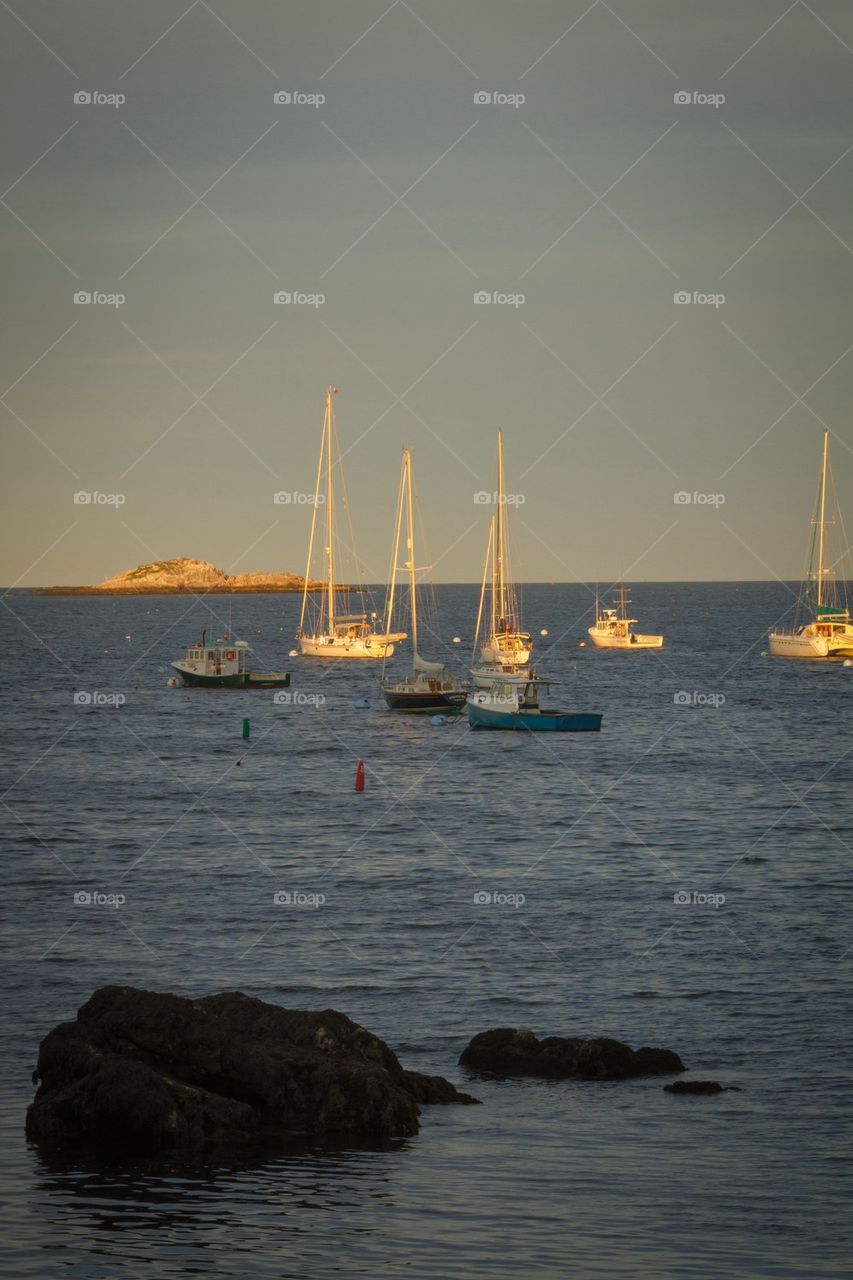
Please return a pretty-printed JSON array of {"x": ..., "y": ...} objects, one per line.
[{"x": 720, "y": 774}]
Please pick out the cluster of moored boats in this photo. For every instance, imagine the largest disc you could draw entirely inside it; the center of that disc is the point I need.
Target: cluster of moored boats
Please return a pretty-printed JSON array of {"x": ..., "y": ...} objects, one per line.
[{"x": 506, "y": 686}]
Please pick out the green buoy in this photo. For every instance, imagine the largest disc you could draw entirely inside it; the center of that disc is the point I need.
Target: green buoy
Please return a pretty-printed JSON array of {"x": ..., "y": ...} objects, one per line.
[{"x": 245, "y": 728}]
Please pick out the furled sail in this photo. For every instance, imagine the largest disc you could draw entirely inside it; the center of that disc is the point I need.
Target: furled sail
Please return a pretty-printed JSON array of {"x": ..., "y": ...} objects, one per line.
[{"x": 421, "y": 664}]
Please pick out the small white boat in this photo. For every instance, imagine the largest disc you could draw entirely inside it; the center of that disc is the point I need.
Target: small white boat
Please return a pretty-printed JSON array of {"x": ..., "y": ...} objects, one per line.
[
  {"x": 823, "y": 628},
  {"x": 507, "y": 648},
  {"x": 332, "y": 634},
  {"x": 612, "y": 628},
  {"x": 430, "y": 687}
]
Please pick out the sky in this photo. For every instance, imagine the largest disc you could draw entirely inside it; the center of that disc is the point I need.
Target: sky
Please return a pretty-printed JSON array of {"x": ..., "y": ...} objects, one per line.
[{"x": 579, "y": 164}]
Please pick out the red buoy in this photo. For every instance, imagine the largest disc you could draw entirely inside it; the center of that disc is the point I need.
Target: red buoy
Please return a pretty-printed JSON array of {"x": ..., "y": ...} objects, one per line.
[{"x": 359, "y": 776}]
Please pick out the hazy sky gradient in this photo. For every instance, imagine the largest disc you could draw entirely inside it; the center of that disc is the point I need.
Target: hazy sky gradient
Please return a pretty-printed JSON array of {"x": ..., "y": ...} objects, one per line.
[{"x": 598, "y": 479}]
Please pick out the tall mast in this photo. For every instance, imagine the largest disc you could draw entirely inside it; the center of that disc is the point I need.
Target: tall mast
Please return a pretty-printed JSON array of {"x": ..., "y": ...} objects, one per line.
[
  {"x": 330, "y": 514},
  {"x": 489, "y": 557},
  {"x": 395, "y": 555},
  {"x": 499, "y": 542},
  {"x": 313, "y": 527},
  {"x": 410, "y": 548},
  {"x": 822, "y": 513}
]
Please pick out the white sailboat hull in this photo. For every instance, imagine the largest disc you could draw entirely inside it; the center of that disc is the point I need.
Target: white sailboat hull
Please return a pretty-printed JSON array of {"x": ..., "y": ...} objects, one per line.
[
  {"x": 520, "y": 658},
  {"x": 606, "y": 640},
  {"x": 485, "y": 676},
  {"x": 808, "y": 643},
  {"x": 367, "y": 648}
]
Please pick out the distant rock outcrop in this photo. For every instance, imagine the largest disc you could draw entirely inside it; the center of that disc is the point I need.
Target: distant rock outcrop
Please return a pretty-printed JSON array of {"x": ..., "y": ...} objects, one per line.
[
  {"x": 171, "y": 577},
  {"x": 698, "y": 1086},
  {"x": 507, "y": 1051},
  {"x": 146, "y": 1072}
]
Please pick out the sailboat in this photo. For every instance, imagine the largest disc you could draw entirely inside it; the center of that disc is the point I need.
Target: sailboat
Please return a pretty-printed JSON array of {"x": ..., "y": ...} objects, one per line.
[
  {"x": 334, "y": 634},
  {"x": 822, "y": 628},
  {"x": 507, "y": 649},
  {"x": 429, "y": 686},
  {"x": 612, "y": 628}
]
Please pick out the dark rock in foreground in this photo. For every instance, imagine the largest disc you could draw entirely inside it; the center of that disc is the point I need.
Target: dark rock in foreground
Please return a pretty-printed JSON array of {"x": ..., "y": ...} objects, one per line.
[
  {"x": 507, "y": 1051},
  {"x": 154, "y": 1073},
  {"x": 694, "y": 1086}
]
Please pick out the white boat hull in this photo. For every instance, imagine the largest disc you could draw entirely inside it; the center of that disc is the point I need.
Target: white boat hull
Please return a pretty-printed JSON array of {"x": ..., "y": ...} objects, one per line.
[
  {"x": 367, "y": 648},
  {"x": 514, "y": 658},
  {"x": 485, "y": 676},
  {"x": 799, "y": 645},
  {"x": 604, "y": 640}
]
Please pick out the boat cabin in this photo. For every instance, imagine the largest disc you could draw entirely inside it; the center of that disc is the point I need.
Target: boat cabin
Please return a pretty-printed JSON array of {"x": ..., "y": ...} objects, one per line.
[{"x": 224, "y": 658}]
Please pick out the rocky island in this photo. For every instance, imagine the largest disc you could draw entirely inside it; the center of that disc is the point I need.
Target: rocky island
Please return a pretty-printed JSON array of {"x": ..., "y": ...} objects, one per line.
[{"x": 184, "y": 576}]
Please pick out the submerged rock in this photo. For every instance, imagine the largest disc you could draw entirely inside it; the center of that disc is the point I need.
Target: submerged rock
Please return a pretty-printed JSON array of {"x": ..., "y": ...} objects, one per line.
[
  {"x": 148, "y": 1072},
  {"x": 697, "y": 1086},
  {"x": 508, "y": 1051}
]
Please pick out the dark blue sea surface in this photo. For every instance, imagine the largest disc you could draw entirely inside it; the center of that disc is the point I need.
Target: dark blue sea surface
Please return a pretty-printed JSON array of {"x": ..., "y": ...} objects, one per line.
[{"x": 721, "y": 776}]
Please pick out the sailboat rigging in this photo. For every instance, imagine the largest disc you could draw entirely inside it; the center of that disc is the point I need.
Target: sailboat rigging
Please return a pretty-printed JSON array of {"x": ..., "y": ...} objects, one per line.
[
  {"x": 430, "y": 686},
  {"x": 334, "y": 633},
  {"x": 507, "y": 649},
  {"x": 822, "y": 628}
]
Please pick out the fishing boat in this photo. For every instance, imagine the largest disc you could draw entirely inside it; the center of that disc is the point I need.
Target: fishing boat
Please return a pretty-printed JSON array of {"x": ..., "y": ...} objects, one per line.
[
  {"x": 612, "y": 628},
  {"x": 430, "y": 686},
  {"x": 510, "y": 706},
  {"x": 223, "y": 665},
  {"x": 507, "y": 649},
  {"x": 822, "y": 625},
  {"x": 333, "y": 633}
]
